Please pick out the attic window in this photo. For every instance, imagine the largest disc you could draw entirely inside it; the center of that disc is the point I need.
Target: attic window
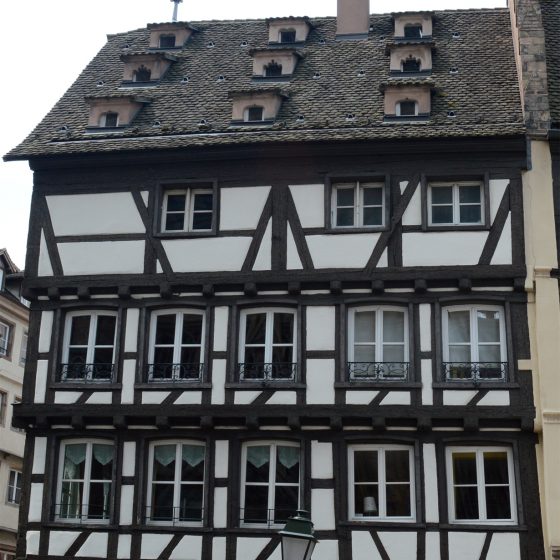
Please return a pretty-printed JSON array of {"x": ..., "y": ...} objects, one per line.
[
  {"x": 109, "y": 120},
  {"x": 273, "y": 70},
  {"x": 167, "y": 41},
  {"x": 254, "y": 114},
  {"x": 411, "y": 64},
  {"x": 407, "y": 108},
  {"x": 413, "y": 31},
  {"x": 142, "y": 74},
  {"x": 287, "y": 36}
]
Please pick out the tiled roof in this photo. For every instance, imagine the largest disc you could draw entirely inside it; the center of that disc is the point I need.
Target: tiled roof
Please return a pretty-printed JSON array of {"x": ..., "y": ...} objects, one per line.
[
  {"x": 551, "y": 22},
  {"x": 334, "y": 79}
]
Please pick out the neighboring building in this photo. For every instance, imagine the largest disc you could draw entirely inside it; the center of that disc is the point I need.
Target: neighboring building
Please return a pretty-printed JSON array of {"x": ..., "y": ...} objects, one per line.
[
  {"x": 277, "y": 265},
  {"x": 14, "y": 322}
]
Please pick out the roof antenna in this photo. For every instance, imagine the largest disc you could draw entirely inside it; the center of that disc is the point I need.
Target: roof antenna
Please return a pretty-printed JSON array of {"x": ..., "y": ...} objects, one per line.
[{"x": 176, "y": 8}]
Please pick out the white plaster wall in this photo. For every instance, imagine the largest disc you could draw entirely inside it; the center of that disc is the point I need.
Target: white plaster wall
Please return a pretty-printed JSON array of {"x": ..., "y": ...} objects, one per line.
[
  {"x": 39, "y": 455},
  {"x": 213, "y": 254},
  {"x": 320, "y": 328},
  {"x": 153, "y": 545},
  {"x": 123, "y": 548},
  {"x": 496, "y": 189},
  {"x": 360, "y": 397},
  {"x": 495, "y": 398},
  {"x": 241, "y": 207},
  {"x": 396, "y": 397},
  {"x": 326, "y": 550},
  {"x": 32, "y": 541},
  {"x": 222, "y": 456},
  {"x": 504, "y": 545},
  {"x": 433, "y": 551},
  {"x": 321, "y": 459},
  {"x": 219, "y": 548},
  {"x": 458, "y": 398},
  {"x": 60, "y": 541},
  {"x": 102, "y": 257},
  {"x": 129, "y": 458},
  {"x": 283, "y": 397},
  {"x": 264, "y": 256},
  {"x": 218, "y": 381},
  {"x": 131, "y": 331},
  {"x": 351, "y": 250},
  {"x": 503, "y": 252},
  {"x": 40, "y": 381},
  {"x": 220, "y": 328},
  {"x": 245, "y": 397},
  {"x": 431, "y": 483},
  {"x": 189, "y": 548},
  {"x": 400, "y": 544},
  {"x": 35, "y": 501},
  {"x": 443, "y": 248},
  {"x": 320, "y": 381},
  {"x": 95, "y": 546},
  {"x": 127, "y": 501},
  {"x": 100, "y": 397},
  {"x": 466, "y": 546},
  {"x": 90, "y": 214},
  {"x": 322, "y": 509},
  {"x": 45, "y": 331},
  {"x": 154, "y": 397},
  {"x": 127, "y": 394},
  {"x": 248, "y": 548},
  {"x": 66, "y": 397},
  {"x": 427, "y": 390},
  {"x": 44, "y": 267},
  {"x": 413, "y": 214},
  {"x": 293, "y": 262},
  {"x": 310, "y": 204},
  {"x": 189, "y": 397},
  {"x": 363, "y": 547},
  {"x": 425, "y": 318},
  {"x": 220, "y": 507}
]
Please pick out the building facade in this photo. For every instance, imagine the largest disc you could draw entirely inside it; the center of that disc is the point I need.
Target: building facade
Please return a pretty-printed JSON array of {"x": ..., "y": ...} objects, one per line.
[
  {"x": 14, "y": 323},
  {"x": 280, "y": 265}
]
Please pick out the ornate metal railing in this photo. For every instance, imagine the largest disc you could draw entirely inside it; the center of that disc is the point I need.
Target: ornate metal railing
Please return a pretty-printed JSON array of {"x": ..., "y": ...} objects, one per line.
[
  {"x": 280, "y": 371},
  {"x": 174, "y": 373},
  {"x": 174, "y": 515},
  {"x": 475, "y": 371},
  {"x": 268, "y": 517},
  {"x": 81, "y": 513},
  {"x": 378, "y": 371},
  {"x": 89, "y": 373}
]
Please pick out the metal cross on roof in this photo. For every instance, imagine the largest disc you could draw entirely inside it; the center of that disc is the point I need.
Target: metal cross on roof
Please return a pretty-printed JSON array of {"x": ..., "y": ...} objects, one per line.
[{"x": 176, "y": 8}]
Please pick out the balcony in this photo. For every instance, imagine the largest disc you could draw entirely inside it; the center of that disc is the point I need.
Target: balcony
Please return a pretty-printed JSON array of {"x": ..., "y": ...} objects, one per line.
[
  {"x": 71, "y": 512},
  {"x": 475, "y": 371},
  {"x": 169, "y": 515},
  {"x": 87, "y": 373},
  {"x": 265, "y": 517},
  {"x": 378, "y": 371},
  {"x": 279, "y": 371},
  {"x": 175, "y": 373}
]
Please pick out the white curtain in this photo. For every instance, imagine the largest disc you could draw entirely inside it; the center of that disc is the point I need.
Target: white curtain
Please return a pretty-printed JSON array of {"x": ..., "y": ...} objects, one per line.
[{"x": 288, "y": 456}]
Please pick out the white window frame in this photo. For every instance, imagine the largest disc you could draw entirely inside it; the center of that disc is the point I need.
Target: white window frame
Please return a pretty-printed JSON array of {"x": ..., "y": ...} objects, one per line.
[
  {"x": 398, "y": 107},
  {"x": 456, "y": 185},
  {"x": 103, "y": 118},
  {"x": 177, "y": 345},
  {"x": 271, "y": 484},
  {"x": 358, "y": 188},
  {"x": 190, "y": 194},
  {"x": 12, "y": 489},
  {"x": 382, "y": 483},
  {"x": 247, "y": 109},
  {"x": 480, "y": 484},
  {"x": 86, "y": 480},
  {"x": 5, "y": 339},
  {"x": 177, "y": 483},
  {"x": 472, "y": 309},
  {"x": 23, "y": 349},
  {"x": 3, "y": 407}
]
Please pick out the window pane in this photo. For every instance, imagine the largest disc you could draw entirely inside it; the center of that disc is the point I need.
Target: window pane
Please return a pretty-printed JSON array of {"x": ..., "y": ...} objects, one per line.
[
  {"x": 80, "y": 330},
  {"x": 397, "y": 466},
  {"x": 364, "y": 353},
  {"x": 71, "y": 499},
  {"x": 165, "y": 329},
  {"x": 469, "y": 194},
  {"x": 498, "y": 502},
  {"x": 255, "y": 328},
  {"x": 102, "y": 462},
  {"x": 345, "y": 217},
  {"x": 77, "y": 355},
  {"x": 103, "y": 356},
  {"x": 175, "y": 222},
  {"x": 393, "y": 354},
  {"x": 459, "y": 353},
  {"x": 464, "y": 468},
  {"x": 190, "y": 508},
  {"x": 164, "y": 462},
  {"x": 283, "y": 328},
  {"x": 282, "y": 354},
  {"x": 256, "y": 504},
  {"x": 203, "y": 201},
  {"x": 163, "y": 356},
  {"x": 345, "y": 197},
  {"x": 192, "y": 463},
  {"x": 466, "y": 503},
  {"x": 373, "y": 216},
  {"x": 442, "y": 214},
  {"x": 106, "y": 329},
  {"x": 470, "y": 214},
  {"x": 192, "y": 329},
  {"x": 162, "y": 502},
  {"x": 459, "y": 326},
  {"x": 488, "y": 326},
  {"x": 258, "y": 463},
  {"x": 496, "y": 467},
  {"x": 287, "y": 464},
  {"x": 393, "y": 326},
  {"x": 490, "y": 353},
  {"x": 366, "y": 499},
  {"x": 373, "y": 196},
  {"x": 398, "y": 500},
  {"x": 176, "y": 202},
  {"x": 254, "y": 355},
  {"x": 285, "y": 502},
  {"x": 99, "y": 496},
  {"x": 190, "y": 355},
  {"x": 364, "y": 326},
  {"x": 442, "y": 195},
  {"x": 74, "y": 461},
  {"x": 202, "y": 221},
  {"x": 365, "y": 466}
]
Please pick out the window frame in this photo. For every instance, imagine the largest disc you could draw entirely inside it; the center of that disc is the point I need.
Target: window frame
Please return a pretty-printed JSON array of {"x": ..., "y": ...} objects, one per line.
[
  {"x": 89, "y": 442},
  {"x": 398, "y": 110},
  {"x": 274, "y": 444},
  {"x": 382, "y": 482},
  {"x": 6, "y": 351},
  {"x": 177, "y": 483},
  {"x": 167, "y": 36},
  {"x": 3, "y": 407},
  {"x": 247, "y": 112},
  {"x": 479, "y": 451},
  {"x": 287, "y": 30},
  {"x": 23, "y": 349},
  {"x": 174, "y": 187},
  {"x": 13, "y": 498},
  {"x": 456, "y": 204}
]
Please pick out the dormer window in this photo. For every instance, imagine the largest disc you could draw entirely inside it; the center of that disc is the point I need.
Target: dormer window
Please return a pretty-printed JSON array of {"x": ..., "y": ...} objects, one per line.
[
  {"x": 254, "y": 114},
  {"x": 413, "y": 31},
  {"x": 114, "y": 112},
  {"x": 412, "y": 27},
  {"x": 256, "y": 107},
  {"x": 142, "y": 74},
  {"x": 167, "y": 41},
  {"x": 145, "y": 68},
  {"x": 407, "y": 108},
  {"x": 287, "y": 36},
  {"x": 169, "y": 35},
  {"x": 109, "y": 120},
  {"x": 407, "y": 101},
  {"x": 288, "y": 30},
  {"x": 411, "y": 64},
  {"x": 273, "y": 70}
]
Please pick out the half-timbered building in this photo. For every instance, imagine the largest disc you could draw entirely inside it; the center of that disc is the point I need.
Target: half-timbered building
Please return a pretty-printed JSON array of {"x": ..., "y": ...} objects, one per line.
[{"x": 280, "y": 265}]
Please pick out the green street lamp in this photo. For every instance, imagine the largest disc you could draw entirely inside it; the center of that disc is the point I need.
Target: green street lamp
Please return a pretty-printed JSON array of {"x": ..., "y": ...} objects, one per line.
[{"x": 298, "y": 540}]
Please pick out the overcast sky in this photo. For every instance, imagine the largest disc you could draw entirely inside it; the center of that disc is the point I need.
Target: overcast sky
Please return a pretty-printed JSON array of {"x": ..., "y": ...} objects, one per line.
[{"x": 48, "y": 42}]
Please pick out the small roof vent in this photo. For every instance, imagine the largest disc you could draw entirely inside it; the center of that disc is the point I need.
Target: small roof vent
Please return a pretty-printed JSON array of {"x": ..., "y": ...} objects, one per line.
[
  {"x": 322, "y": 42},
  {"x": 100, "y": 83},
  {"x": 317, "y": 75},
  {"x": 221, "y": 78},
  {"x": 156, "y": 124},
  {"x": 210, "y": 44},
  {"x": 455, "y": 35},
  {"x": 300, "y": 118},
  {"x": 63, "y": 128},
  {"x": 350, "y": 117},
  {"x": 454, "y": 70},
  {"x": 244, "y": 44},
  {"x": 451, "y": 114},
  {"x": 361, "y": 73},
  {"x": 185, "y": 80}
]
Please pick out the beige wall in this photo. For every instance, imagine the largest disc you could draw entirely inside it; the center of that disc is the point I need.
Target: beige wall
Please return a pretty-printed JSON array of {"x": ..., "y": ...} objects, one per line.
[
  {"x": 286, "y": 59},
  {"x": 424, "y": 20},
  {"x": 301, "y": 27},
  {"x": 420, "y": 52},
  {"x": 421, "y": 95}
]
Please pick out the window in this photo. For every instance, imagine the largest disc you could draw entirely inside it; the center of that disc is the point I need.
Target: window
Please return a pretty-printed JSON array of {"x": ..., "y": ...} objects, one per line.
[
  {"x": 4, "y": 338},
  {"x": 381, "y": 482},
  {"x": 23, "y": 349},
  {"x": 480, "y": 485},
  {"x": 6, "y": 556},
  {"x": 3, "y": 407},
  {"x": 267, "y": 345},
  {"x": 413, "y": 31},
  {"x": 474, "y": 347},
  {"x": 188, "y": 210},
  {"x": 17, "y": 400},
  {"x": 455, "y": 204},
  {"x": 270, "y": 482},
  {"x": 142, "y": 74},
  {"x": 378, "y": 344},
  {"x": 14, "y": 487},
  {"x": 85, "y": 480},
  {"x": 411, "y": 64},
  {"x": 89, "y": 346},
  {"x": 176, "y": 345},
  {"x": 272, "y": 70},
  {"x": 358, "y": 204},
  {"x": 407, "y": 109},
  {"x": 253, "y": 114},
  {"x": 176, "y": 481},
  {"x": 166, "y": 41},
  {"x": 287, "y": 36}
]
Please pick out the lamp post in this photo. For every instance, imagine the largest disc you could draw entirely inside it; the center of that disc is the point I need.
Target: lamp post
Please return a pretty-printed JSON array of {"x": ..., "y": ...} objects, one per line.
[{"x": 298, "y": 540}]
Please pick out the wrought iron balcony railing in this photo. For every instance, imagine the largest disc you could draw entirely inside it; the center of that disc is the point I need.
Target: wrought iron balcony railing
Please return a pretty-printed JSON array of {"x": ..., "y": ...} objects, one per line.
[
  {"x": 87, "y": 373},
  {"x": 268, "y": 517},
  {"x": 279, "y": 371},
  {"x": 81, "y": 513},
  {"x": 174, "y": 373},
  {"x": 170, "y": 515},
  {"x": 378, "y": 371},
  {"x": 475, "y": 371}
]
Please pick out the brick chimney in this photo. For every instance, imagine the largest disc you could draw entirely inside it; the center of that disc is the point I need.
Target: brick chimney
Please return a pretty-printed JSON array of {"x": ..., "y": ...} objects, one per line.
[{"x": 352, "y": 19}]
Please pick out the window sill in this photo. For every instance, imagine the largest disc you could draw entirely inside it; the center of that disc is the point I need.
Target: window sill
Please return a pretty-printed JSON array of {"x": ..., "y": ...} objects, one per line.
[
  {"x": 287, "y": 385},
  {"x": 475, "y": 384},
  {"x": 97, "y": 385},
  {"x": 483, "y": 526},
  {"x": 358, "y": 229},
  {"x": 412, "y": 524},
  {"x": 457, "y": 227},
  {"x": 183, "y": 385},
  {"x": 185, "y": 234},
  {"x": 377, "y": 384}
]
